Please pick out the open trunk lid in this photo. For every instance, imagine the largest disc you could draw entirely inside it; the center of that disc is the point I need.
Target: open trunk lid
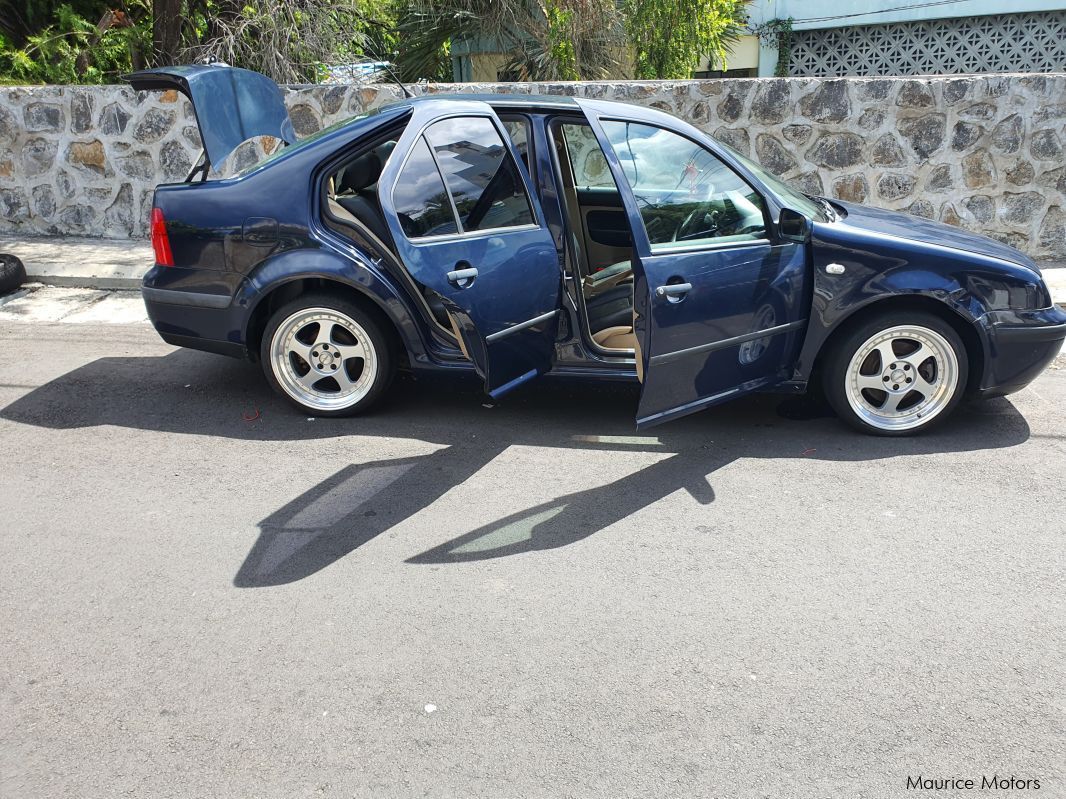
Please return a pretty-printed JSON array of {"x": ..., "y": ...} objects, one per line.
[{"x": 231, "y": 105}]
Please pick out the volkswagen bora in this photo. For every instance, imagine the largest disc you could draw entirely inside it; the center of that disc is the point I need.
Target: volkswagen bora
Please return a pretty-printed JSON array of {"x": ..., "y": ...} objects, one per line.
[{"x": 518, "y": 236}]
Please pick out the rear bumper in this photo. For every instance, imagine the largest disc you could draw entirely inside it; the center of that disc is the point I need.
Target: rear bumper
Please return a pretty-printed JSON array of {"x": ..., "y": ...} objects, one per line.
[
  {"x": 195, "y": 320},
  {"x": 1021, "y": 345}
]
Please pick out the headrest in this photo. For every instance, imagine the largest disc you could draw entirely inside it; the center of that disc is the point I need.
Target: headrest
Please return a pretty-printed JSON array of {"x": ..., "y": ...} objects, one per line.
[
  {"x": 365, "y": 170},
  {"x": 385, "y": 150},
  {"x": 360, "y": 173}
]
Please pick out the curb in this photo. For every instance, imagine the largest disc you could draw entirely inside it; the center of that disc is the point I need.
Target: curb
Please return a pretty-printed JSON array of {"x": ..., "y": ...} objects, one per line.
[
  {"x": 69, "y": 262},
  {"x": 86, "y": 282}
]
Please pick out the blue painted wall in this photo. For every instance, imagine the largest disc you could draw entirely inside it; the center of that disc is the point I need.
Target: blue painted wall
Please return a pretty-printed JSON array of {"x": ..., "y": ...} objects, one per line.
[{"x": 809, "y": 14}]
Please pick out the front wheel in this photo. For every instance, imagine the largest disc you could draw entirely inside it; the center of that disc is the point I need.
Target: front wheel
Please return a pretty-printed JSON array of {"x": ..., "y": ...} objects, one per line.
[
  {"x": 897, "y": 374},
  {"x": 326, "y": 355}
]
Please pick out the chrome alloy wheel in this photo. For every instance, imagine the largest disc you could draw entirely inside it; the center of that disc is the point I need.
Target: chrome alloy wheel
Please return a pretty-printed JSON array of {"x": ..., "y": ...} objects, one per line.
[
  {"x": 323, "y": 359},
  {"x": 902, "y": 377}
]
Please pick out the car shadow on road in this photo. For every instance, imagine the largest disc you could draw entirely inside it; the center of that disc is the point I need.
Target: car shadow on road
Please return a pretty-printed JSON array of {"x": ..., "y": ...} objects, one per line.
[{"x": 193, "y": 393}]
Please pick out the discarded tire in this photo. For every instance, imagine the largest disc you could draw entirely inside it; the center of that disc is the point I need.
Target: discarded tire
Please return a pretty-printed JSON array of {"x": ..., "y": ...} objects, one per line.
[{"x": 12, "y": 273}]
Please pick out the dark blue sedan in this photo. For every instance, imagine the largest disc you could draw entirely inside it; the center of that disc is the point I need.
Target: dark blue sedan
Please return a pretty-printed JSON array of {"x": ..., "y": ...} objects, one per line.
[{"x": 517, "y": 236}]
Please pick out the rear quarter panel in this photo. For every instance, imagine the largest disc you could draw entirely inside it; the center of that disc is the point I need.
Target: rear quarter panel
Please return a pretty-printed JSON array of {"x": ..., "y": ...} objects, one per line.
[
  {"x": 223, "y": 229},
  {"x": 352, "y": 269},
  {"x": 245, "y": 236}
]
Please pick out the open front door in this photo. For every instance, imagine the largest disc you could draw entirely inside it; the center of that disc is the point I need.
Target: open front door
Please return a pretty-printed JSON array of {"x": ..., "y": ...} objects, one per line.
[
  {"x": 468, "y": 226},
  {"x": 719, "y": 304}
]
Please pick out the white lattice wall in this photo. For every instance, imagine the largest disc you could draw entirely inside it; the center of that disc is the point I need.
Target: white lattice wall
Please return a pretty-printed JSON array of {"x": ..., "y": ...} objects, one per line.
[{"x": 1033, "y": 42}]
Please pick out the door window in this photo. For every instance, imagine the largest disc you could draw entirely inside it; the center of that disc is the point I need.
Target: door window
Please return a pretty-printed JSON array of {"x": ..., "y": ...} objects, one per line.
[
  {"x": 586, "y": 158},
  {"x": 518, "y": 132},
  {"x": 480, "y": 173},
  {"x": 421, "y": 201},
  {"x": 686, "y": 195}
]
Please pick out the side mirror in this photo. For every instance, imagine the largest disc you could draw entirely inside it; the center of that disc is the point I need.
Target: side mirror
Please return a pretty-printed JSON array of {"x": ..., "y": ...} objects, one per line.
[{"x": 793, "y": 225}]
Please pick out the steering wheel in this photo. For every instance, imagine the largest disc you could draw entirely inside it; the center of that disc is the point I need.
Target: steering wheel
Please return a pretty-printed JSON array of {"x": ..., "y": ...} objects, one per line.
[
  {"x": 699, "y": 224},
  {"x": 751, "y": 229}
]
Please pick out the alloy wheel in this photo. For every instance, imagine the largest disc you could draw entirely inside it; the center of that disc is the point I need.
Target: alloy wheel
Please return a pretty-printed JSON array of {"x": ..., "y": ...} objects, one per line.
[
  {"x": 902, "y": 377},
  {"x": 323, "y": 359}
]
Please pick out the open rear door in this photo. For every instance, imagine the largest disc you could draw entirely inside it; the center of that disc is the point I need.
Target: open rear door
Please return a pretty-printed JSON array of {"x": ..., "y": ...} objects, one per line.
[
  {"x": 231, "y": 105},
  {"x": 719, "y": 305},
  {"x": 469, "y": 228}
]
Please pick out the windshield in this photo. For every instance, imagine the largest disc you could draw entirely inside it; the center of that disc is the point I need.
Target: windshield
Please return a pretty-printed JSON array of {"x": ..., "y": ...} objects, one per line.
[{"x": 792, "y": 198}]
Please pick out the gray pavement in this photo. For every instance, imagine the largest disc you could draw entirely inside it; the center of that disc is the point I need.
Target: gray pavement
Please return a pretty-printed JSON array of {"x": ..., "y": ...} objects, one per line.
[{"x": 205, "y": 593}]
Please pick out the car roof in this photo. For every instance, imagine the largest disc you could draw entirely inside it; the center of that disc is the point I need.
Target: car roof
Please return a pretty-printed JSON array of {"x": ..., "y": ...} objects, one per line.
[
  {"x": 552, "y": 102},
  {"x": 393, "y": 111}
]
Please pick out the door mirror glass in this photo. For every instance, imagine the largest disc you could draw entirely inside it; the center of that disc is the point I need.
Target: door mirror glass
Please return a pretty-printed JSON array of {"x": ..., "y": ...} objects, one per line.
[{"x": 793, "y": 225}]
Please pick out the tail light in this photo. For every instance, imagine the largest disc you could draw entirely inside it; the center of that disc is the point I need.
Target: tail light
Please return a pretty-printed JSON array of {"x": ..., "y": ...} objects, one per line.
[{"x": 160, "y": 239}]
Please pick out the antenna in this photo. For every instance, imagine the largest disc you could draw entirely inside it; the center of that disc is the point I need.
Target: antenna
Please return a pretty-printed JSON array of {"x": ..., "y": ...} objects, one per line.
[
  {"x": 407, "y": 95},
  {"x": 387, "y": 67}
]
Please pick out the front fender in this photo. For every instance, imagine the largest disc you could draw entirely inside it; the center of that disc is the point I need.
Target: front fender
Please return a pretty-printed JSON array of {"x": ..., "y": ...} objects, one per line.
[
  {"x": 358, "y": 274},
  {"x": 874, "y": 274}
]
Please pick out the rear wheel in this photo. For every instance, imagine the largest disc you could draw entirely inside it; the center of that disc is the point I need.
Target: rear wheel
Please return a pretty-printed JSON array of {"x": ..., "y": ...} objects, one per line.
[
  {"x": 897, "y": 374},
  {"x": 326, "y": 355}
]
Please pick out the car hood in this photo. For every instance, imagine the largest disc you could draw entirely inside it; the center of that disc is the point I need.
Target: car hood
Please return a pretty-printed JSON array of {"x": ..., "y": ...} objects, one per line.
[
  {"x": 915, "y": 228},
  {"x": 231, "y": 105}
]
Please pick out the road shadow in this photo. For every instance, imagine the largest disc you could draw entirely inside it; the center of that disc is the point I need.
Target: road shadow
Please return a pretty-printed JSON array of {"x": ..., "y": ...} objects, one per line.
[{"x": 192, "y": 393}]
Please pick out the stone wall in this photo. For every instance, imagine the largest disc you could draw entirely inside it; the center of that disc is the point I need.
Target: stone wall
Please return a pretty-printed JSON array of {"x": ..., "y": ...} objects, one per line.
[{"x": 983, "y": 152}]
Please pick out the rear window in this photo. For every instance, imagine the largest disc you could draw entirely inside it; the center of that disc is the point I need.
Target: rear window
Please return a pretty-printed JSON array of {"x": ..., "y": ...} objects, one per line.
[{"x": 421, "y": 200}]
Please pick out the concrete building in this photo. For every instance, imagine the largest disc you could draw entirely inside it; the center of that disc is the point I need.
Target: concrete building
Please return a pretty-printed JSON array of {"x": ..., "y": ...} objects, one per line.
[
  {"x": 867, "y": 37},
  {"x": 909, "y": 37}
]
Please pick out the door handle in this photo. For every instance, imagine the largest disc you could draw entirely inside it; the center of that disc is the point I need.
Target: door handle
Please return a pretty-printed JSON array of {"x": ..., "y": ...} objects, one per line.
[
  {"x": 461, "y": 278},
  {"x": 674, "y": 289}
]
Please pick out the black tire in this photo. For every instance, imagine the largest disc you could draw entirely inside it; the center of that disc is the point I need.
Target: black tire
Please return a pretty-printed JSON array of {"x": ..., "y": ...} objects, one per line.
[
  {"x": 12, "y": 273},
  {"x": 371, "y": 334},
  {"x": 838, "y": 382}
]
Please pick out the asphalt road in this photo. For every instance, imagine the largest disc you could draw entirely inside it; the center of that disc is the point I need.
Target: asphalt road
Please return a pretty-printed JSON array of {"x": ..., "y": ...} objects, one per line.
[{"x": 205, "y": 593}]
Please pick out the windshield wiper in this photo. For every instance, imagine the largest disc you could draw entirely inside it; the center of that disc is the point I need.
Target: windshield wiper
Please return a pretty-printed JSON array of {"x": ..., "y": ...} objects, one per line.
[{"x": 830, "y": 211}]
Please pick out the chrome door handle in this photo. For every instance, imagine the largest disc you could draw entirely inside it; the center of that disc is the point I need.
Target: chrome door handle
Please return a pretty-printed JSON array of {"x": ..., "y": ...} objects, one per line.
[
  {"x": 674, "y": 289},
  {"x": 461, "y": 278}
]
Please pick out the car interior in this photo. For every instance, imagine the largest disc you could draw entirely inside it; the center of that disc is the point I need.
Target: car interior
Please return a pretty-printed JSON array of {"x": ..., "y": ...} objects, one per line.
[
  {"x": 352, "y": 195},
  {"x": 601, "y": 241}
]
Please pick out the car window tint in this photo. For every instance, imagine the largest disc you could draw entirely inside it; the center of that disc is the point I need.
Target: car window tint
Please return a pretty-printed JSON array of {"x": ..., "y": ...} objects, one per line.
[
  {"x": 421, "y": 200},
  {"x": 686, "y": 194},
  {"x": 586, "y": 158},
  {"x": 483, "y": 178},
  {"x": 518, "y": 130}
]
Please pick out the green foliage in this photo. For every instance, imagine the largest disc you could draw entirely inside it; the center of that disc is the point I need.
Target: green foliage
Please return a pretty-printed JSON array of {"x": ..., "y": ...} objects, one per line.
[
  {"x": 426, "y": 30},
  {"x": 73, "y": 49},
  {"x": 561, "y": 46},
  {"x": 572, "y": 39},
  {"x": 20, "y": 19},
  {"x": 673, "y": 36},
  {"x": 95, "y": 41},
  {"x": 293, "y": 41},
  {"x": 541, "y": 40},
  {"x": 777, "y": 32}
]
